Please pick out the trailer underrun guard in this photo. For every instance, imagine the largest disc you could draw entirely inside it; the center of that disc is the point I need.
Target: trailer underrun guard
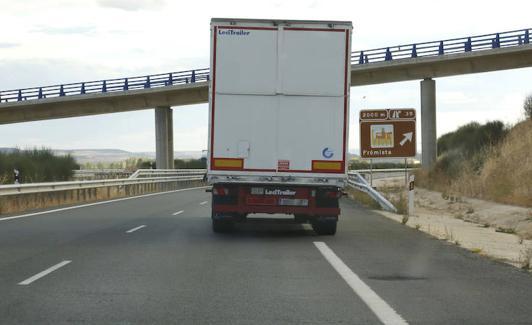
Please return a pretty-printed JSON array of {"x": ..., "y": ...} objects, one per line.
[{"x": 309, "y": 204}]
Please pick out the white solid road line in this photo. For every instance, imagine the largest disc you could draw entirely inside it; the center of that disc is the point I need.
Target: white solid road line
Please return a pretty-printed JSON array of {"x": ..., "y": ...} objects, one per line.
[
  {"x": 43, "y": 273},
  {"x": 98, "y": 203},
  {"x": 380, "y": 308},
  {"x": 203, "y": 203},
  {"x": 135, "y": 229},
  {"x": 178, "y": 212}
]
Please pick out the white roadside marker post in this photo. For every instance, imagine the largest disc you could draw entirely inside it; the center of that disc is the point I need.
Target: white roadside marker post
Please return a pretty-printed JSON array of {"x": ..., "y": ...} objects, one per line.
[{"x": 411, "y": 195}]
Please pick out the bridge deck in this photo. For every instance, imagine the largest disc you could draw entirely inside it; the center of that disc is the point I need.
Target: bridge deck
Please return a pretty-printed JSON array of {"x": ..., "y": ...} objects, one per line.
[{"x": 501, "y": 51}]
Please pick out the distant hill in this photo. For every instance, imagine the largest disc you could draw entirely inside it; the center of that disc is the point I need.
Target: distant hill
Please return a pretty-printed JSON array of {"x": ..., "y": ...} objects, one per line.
[
  {"x": 7, "y": 150},
  {"x": 111, "y": 155}
]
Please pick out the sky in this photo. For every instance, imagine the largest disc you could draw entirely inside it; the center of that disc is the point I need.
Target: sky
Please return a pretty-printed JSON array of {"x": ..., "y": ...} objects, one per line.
[{"x": 45, "y": 42}]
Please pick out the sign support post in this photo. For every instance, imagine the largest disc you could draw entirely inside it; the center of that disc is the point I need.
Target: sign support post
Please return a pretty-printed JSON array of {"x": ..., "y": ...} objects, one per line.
[
  {"x": 406, "y": 172},
  {"x": 371, "y": 172}
]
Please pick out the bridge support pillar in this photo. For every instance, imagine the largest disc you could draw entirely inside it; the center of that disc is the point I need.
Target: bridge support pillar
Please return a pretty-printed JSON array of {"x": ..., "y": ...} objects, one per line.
[
  {"x": 428, "y": 123},
  {"x": 164, "y": 138}
]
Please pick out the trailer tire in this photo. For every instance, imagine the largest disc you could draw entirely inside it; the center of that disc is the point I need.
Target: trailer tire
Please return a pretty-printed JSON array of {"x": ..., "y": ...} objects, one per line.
[
  {"x": 222, "y": 226},
  {"x": 324, "y": 227}
]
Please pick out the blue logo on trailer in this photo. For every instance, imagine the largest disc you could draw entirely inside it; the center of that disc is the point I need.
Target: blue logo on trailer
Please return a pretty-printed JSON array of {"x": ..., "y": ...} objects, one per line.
[{"x": 327, "y": 153}]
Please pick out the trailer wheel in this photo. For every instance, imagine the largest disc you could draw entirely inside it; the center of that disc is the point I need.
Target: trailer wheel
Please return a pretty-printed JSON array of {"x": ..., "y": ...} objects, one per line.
[
  {"x": 222, "y": 226},
  {"x": 324, "y": 227}
]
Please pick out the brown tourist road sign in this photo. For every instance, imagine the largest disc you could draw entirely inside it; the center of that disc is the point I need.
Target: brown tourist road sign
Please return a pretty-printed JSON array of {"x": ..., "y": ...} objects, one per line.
[{"x": 388, "y": 133}]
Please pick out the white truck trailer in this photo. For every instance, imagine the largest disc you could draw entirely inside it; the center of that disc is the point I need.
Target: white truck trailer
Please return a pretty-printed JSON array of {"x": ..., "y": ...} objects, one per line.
[{"x": 278, "y": 119}]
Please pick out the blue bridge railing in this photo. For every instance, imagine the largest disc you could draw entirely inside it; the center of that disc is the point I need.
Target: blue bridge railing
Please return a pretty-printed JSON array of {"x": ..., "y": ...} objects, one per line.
[
  {"x": 391, "y": 53},
  {"x": 450, "y": 46},
  {"x": 106, "y": 86}
]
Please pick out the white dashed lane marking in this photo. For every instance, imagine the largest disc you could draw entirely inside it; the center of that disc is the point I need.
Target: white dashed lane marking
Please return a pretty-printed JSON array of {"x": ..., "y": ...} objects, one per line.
[
  {"x": 43, "y": 273},
  {"x": 135, "y": 229}
]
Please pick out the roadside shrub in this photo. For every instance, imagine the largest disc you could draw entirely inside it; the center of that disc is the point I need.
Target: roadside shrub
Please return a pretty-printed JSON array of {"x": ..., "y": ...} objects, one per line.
[
  {"x": 472, "y": 138},
  {"x": 190, "y": 163},
  {"x": 36, "y": 165},
  {"x": 364, "y": 164},
  {"x": 527, "y": 106}
]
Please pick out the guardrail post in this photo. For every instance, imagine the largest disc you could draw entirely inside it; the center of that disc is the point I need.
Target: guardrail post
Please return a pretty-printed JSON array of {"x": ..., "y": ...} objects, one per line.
[
  {"x": 61, "y": 91},
  {"x": 414, "y": 51},
  {"x": 126, "y": 84},
  {"x": 467, "y": 45},
  {"x": 361, "y": 58},
  {"x": 388, "y": 56},
  {"x": 527, "y": 37},
  {"x": 40, "y": 93},
  {"x": 193, "y": 76},
  {"x": 19, "y": 97},
  {"x": 440, "y": 48},
  {"x": 170, "y": 79},
  {"x": 148, "y": 82},
  {"x": 496, "y": 42},
  {"x": 82, "y": 91},
  {"x": 104, "y": 87}
]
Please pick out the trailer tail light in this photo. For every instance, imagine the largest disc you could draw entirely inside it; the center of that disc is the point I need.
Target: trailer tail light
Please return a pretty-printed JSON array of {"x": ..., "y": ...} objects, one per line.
[
  {"x": 327, "y": 166},
  {"x": 253, "y": 200},
  {"x": 221, "y": 191},
  {"x": 333, "y": 194}
]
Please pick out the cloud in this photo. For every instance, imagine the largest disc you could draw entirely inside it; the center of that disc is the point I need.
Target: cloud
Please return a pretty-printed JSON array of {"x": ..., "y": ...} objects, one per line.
[
  {"x": 71, "y": 30},
  {"x": 24, "y": 73},
  {"x": 132, "y": 5},
  {"x": 6, "y": 45}
]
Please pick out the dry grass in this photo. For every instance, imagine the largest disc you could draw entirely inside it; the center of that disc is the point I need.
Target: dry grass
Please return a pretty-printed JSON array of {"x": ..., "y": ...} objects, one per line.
[
  {"x": 363, "y": 199},
  {"x": 400, "y": 202},
  {"x": 505, "y": 176},
  {"x": 526, "y": 258}
]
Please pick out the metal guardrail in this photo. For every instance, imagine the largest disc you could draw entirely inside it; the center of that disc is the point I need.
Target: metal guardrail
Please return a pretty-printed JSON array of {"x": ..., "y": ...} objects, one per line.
[
  {"x": 358, "y": 182},
  {"x": 443, "y": 47},
  {"x": 101, "y": 171},
  {"x": 106, "y": 86},
  {"x": 142, "y": 173},
  {"x": 390, "y": 53},
  {"x": 384, "y": 170},
  {"x": 80, "y": 174},
  {"x": 73, "y": 185}
]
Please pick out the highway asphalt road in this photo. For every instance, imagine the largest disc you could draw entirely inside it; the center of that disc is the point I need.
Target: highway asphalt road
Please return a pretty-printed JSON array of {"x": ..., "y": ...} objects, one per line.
[{"x": 155, "y": 260}]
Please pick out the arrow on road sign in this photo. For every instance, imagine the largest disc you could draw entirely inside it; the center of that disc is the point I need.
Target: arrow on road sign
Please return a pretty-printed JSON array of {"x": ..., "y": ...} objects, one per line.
[{"x": 407, "y": 137}]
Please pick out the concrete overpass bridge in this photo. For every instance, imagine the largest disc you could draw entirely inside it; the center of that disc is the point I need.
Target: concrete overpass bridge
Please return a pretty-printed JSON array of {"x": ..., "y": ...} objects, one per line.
[{"x": 420, "y": 61}]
